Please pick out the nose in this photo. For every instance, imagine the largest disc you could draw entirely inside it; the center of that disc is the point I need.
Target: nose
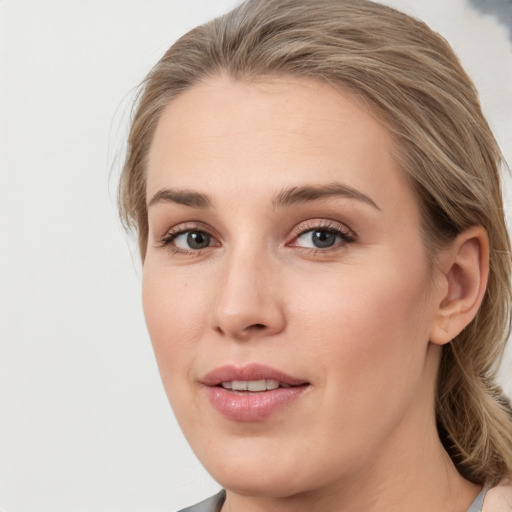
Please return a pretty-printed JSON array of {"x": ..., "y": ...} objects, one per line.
[{"x": 248, "y": 302}]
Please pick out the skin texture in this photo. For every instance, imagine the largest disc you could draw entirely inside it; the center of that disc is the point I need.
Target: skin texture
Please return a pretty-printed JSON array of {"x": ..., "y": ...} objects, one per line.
[{"x": 362, "y": 321}]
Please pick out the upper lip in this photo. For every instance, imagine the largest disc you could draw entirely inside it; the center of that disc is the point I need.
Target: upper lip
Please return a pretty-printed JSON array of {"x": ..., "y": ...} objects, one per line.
[{"x": 229, "y": 373}]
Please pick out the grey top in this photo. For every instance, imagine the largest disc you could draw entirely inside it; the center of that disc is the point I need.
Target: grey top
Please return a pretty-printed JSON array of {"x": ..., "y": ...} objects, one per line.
[
  {"x": 477, "y": 505},
  {"x": 214, "y": 504}
]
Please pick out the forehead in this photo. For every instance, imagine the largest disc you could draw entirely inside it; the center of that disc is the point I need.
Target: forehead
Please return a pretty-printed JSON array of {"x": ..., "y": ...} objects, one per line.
[{"x": 224, "y": 135}]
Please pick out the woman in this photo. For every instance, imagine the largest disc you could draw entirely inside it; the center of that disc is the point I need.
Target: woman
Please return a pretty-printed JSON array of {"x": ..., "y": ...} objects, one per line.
[{"x": 326, "y": 265}]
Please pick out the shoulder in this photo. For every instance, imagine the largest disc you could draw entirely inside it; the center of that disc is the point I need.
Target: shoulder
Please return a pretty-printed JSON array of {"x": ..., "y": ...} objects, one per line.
[{"x": 499, "y": 498}]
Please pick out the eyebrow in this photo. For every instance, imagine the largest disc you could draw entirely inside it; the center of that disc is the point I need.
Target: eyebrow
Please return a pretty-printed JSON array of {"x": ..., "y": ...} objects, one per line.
[
  {"x": 297, "y": 195},
  {"x": 185, "y": 197},
  {"x": 287, "y": 197}
]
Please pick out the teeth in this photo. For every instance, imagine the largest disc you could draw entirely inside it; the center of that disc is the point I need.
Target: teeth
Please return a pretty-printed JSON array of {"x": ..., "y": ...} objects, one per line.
[
  {"x": 272, "y": 384},
  {"x": 252, "y": 385},
  {"x": 239, "y": 385},
  {"x": 257, "y": 385}
]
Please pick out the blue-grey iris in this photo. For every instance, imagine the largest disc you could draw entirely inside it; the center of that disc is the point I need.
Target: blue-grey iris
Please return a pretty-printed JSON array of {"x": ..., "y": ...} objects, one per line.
[
  {"x": 198, "y": 240},
  {"x": 323, "y": 239}
]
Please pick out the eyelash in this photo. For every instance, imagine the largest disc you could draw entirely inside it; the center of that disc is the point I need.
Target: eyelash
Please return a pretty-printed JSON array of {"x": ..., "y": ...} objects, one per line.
[
  {"x": 346, "y": 235},
  {"x": 171, "y": 235}
]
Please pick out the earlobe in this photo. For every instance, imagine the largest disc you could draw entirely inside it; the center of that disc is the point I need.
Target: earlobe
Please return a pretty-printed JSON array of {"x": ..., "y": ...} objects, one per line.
[{"x": 465, "y": 269}]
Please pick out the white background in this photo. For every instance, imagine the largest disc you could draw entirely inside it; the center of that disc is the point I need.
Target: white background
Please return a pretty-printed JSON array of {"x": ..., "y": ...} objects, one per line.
[{"x": 84, "y": 422}]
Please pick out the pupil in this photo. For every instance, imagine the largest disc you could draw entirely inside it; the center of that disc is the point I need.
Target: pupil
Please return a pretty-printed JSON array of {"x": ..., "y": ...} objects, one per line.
[
  {"x": 198, "y": 240},
  {"x": 323, "y": 239}
]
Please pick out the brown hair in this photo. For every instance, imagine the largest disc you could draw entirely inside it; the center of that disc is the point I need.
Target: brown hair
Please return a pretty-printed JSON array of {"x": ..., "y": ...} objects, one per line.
[{"x": 413, "y": 79}]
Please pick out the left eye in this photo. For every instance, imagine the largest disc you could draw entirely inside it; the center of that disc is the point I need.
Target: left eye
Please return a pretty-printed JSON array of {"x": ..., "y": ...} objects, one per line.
[
  {"x": 192, "y": 240},
  {"x": 320, "y": 239}
]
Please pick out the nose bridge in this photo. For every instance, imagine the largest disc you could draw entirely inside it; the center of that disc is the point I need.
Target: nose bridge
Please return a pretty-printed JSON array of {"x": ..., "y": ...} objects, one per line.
[{"x": 247, "y": 303}]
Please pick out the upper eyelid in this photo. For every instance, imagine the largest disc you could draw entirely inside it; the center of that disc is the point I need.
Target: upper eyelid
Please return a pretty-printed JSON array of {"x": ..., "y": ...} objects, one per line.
[
  {"x": 190, "y": 226},
  {"x": 323, "y": 224}
]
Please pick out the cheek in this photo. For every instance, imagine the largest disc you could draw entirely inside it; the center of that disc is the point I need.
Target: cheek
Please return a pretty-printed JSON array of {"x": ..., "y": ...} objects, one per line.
[
  {"x": 175, "y": 316},
  {"x": 367, "y": 338},
  {"x": 369, "y": 323}
]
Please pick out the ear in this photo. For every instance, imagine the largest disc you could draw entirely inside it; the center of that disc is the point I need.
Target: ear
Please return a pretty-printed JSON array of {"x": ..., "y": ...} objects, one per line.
[{"x": 464, "y": 269}]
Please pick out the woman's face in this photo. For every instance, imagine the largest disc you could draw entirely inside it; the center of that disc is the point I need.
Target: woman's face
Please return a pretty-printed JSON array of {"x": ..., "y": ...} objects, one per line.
[{"x": 286, "y": 287}]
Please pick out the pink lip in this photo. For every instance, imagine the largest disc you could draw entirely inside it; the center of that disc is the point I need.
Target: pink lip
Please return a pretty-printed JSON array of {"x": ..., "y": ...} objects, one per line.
[
  {"x": 248, "y": 406},
  {"x": 250, "y": 372}
]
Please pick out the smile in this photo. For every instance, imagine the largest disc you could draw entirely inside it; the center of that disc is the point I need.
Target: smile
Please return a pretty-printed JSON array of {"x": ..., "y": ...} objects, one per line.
[
  {"x": 252, "y": 393},
  {"x": 254, "y": 385}
]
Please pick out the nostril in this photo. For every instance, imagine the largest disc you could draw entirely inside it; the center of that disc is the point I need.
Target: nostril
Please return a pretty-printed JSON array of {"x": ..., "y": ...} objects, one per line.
[{"x": 258, "y": 326}]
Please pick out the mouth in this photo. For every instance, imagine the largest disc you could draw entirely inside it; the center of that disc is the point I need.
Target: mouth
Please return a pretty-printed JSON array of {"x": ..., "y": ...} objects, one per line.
[
  {"x": 253, "y": 377},
  {"x": 251, "y": 393},
  {"x": 254, "y": 386}
]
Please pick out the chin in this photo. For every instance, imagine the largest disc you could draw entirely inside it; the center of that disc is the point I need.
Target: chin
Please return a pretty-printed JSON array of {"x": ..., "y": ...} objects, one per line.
[
  {"x": 263, "y": 481},
  {"x": 264, "y": 469}
]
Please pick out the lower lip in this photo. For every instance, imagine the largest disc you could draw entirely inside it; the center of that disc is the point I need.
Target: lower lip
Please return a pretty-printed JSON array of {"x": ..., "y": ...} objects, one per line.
[{"x": 252, "y": 406}]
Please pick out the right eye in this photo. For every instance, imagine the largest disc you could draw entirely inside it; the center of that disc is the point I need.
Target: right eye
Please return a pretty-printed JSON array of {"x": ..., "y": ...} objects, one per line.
[{"x": 191, "y": 240}]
